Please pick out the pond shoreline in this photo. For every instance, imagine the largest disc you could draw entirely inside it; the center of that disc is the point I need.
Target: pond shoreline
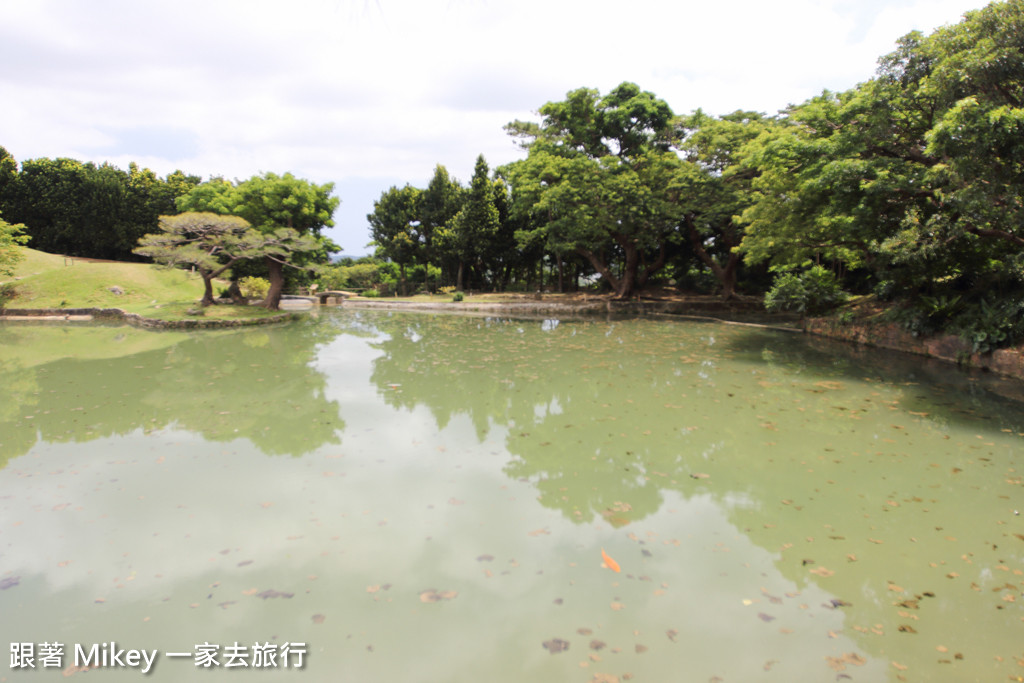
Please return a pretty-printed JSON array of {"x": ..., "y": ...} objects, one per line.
[
  {"x": 134, "y": 319},
  {"x": 947, "y": 347},
  {"x": 950, "y": 348}
]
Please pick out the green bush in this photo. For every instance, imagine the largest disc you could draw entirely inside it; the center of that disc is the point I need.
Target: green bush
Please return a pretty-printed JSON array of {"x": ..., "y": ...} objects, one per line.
[
  {"x": 993, "y": 321},
  {"x": 809, "y": 292},
  {"x": 254, "y": 287},
  {"x": 987, "y": 320},
  {"x": 458, "y": 296},
  {"x": 7, "y": 293}
]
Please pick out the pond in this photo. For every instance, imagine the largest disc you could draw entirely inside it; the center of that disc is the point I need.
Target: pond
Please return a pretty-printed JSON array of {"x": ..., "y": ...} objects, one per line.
[{"x": 399, "y": 496}]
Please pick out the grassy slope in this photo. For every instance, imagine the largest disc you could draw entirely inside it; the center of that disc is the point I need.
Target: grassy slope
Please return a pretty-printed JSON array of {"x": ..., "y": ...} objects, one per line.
[{"x": 50, "y": 281}]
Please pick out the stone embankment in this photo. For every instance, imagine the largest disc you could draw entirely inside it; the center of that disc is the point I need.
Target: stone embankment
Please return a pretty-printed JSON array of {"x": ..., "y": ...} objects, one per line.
[
  {"x": 951, "y": 348},
  {"x": 577, "y": 307},
  {"x": 87, "y": 314}
]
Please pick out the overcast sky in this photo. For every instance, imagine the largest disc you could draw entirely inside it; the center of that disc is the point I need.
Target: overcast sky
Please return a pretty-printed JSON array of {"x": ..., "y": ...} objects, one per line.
[{"x": 373, "y": 93}]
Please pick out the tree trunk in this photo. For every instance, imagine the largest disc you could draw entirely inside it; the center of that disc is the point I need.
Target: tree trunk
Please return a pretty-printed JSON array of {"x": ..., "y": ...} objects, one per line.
[
  {"x": 506, "y": 275},
  {"x": 459, "y": 277},
  {"x": 726, "y": 276},
  {"x": 207, "y": 289},
  {"x": 657, "y": 265},
  {"x": 276, "y": 271},
  {"x": 627, "y": 284},
  {"x": 235, "y": 292},
  {"x": 561, "y": 273},
  {"x": 401, "y": 279},
  {"x": 600, "y": 266}
]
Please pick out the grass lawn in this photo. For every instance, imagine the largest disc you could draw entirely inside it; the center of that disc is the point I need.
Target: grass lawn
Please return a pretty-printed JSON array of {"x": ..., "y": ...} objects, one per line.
[{"x": 49, "y": 281}]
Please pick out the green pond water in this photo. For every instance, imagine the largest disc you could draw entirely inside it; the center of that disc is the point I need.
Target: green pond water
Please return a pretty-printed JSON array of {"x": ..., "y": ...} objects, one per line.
[{"x": 414, "y": 497}]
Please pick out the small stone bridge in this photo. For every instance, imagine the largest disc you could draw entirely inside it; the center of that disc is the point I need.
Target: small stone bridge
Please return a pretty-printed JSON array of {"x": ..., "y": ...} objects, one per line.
[{"x": 328, "y": 298}]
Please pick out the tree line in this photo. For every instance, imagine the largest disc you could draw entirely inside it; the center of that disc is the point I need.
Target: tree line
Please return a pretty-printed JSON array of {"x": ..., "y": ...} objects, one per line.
[
  {"x": 83, "y": 209},
  {"x": 256, "y": 227},
  {"x": 908, "y": 186}
]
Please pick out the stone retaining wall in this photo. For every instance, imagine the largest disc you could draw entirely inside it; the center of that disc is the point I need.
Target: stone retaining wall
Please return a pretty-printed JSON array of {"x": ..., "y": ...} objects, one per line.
[
  {"x": 140, "y": 321},
  {"x": 563, "y": 307},
  {"x": 946, "y": 347}
]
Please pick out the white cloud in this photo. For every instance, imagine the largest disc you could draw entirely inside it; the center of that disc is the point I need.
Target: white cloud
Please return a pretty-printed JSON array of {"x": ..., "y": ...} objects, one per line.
[{"x": 346, "y": 90}]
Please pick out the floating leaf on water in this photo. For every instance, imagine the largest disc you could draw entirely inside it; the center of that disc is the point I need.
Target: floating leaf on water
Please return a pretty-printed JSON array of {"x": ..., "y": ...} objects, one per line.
[
  {"x": 597, "y": 645},
  {"x": 318, "y": 618},
  {"x": 556, "y": 645},
  {"x": 432, "y": 595},
  {"x": 765, "y": 617},
  {"x": 618, "y": 606},
  {"x": 640, "y": 649},
  {"x": 455, "y": 501},
  {"x": 485, "y": 558},
  {"x": 605, "y": 678},
  {"x": 9, "y": 582},
  {"x": 271, "y": 593},
  {"x": 839, "y": 663},
  {"x": 822, "y": 571},
  {"x": 700, "y": 475},
  {"x": 672, "y": 634},
  {"x": 905, "y": 628},
  {"x": 584, "y": 631},
  {"x": 538, "y": 532}
]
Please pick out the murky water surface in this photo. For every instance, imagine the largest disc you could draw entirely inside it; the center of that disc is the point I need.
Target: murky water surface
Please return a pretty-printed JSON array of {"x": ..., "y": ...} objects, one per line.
[{"x": 410, "y": 497}]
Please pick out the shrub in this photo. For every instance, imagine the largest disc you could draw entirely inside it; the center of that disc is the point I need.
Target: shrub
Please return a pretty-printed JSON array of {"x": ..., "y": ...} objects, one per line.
[
  {"x": 458, "y": 296},
  {"x": 7, "y": 293},
  {"x": 989, "y": 323},
  {"x": 809, "y": 292},
  {"x": 254, "y": 287}
]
